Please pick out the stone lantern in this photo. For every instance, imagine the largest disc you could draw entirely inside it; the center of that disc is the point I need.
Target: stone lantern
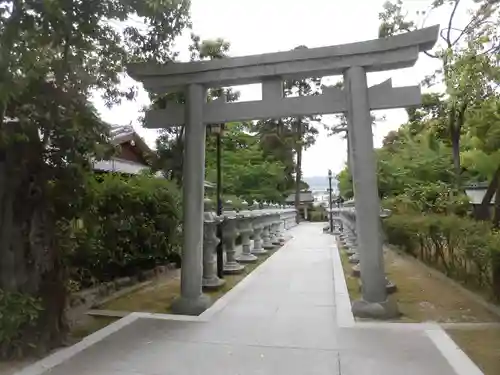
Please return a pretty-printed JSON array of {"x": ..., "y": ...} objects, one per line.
[
  {"x": 229, "y": 234},
  {"x": 245, "y": 228},
  {"x": 266, "y": 231},
  {"x": 258, "y": 226},
  {"x": 210, "y": 241}
]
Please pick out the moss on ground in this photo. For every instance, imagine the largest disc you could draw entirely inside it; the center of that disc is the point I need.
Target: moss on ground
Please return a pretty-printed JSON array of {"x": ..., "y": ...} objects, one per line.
[
  {"x": 233, "y": 280},
  {"x": 89, "y": 325},
  {"x": 158, "y": 296},
  {"x": 481, "y": 345},
  {"x": 421, "y": 296},
  {"x": 154, "y": 298},
  {"x": 351, "y": 281},
  {"x": 424, "y": 297}
]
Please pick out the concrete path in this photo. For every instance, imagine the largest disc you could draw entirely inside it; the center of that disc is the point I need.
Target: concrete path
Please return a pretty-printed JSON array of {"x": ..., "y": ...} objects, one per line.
[{"x": 282, "y": 319}]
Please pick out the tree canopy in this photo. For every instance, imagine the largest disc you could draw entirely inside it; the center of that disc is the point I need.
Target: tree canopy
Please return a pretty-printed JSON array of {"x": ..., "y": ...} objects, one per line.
[
  {"x": 54, "y": 55},
  {"x": 469, "y": 59},
  {"x": 247, "y": 171}
]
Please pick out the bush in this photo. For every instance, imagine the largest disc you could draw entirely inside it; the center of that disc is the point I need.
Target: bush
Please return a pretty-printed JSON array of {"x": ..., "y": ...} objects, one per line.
[
  {"x": 317, "y": 215},
  {"x": 132, "y": 224},
  {"x": 461, "y": 247},
  {"x": 18, "y": 316},
  {"x": 436, "y": 198}
]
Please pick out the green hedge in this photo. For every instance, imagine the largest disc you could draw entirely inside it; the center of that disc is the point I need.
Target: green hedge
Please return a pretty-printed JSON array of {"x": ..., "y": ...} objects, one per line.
[
  {"x": 133, "y": 223},
  {"x": 18, "y": 317},
  {"x": 461, "y": 247},
  {"x": 317, "y": 214}
]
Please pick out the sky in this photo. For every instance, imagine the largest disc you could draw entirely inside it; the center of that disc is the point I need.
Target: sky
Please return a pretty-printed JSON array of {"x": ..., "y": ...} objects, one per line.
[{"x": 262, "y": 26}]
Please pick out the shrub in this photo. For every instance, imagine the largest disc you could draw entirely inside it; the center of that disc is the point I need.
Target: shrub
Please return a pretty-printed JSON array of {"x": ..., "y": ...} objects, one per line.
[
  {"x": 317, "y": 215},
  {"x": 18, "y": 316},
  {"x": 132, "y": 224},
  {"x": 461, "y": 247},
  {"x": 437, "y": 198}
]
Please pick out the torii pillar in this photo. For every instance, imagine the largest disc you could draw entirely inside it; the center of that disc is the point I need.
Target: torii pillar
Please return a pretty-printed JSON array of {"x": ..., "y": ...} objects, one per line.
[
  {"x": 192, "y": 300},
  {"x": 364, "y": 174},
  {"x": 356, "y": 100}
]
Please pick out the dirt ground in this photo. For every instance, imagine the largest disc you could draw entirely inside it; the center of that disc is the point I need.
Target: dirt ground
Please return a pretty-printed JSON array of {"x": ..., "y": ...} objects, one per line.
[
  {"x": 81, "y": 329},
  {"x": 351, "y": 281},
  {"x": 424, "y": 297},
  {"x": 11, "y": 367},
  {"x": 157, "y": 297},
  {"x": 481, "y": 345}
]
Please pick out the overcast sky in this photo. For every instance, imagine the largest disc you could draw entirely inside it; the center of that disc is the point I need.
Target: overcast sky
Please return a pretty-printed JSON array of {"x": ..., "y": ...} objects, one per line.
[{"x": 260, "y": 26}]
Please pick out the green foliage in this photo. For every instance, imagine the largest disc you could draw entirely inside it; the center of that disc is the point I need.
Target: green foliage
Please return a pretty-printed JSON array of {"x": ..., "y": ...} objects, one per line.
[
  {"x": 258, "y": 160},
  {"x": 461, "y": 247},
  {"x": 246, "y": 172},
  {"x": 133, "y": 224},
  {"x": 345, "y": 184},
  {"x": 468, "y": 55},
  {"x": 452, "y": 137},
  {"x": 436, "y": 198},
  {"x": 276, "y": 143},
  {"x": 285, "y": 139},
  {"x": 55, "y": 55},
  {"x": 170, "y": 143},
  {"x": 317, "y": 214},
  {"x": 18, "y": 315}
]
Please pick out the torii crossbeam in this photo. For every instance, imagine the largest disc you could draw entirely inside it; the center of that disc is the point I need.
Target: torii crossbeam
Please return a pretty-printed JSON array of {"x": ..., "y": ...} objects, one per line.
[
  {"x": 355, "y": 100},
  {"x": 332, "y": 100}
]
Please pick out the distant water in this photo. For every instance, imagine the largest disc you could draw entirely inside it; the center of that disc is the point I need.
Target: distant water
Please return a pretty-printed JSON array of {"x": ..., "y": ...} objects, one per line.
[{"x": 320, "y": 183}]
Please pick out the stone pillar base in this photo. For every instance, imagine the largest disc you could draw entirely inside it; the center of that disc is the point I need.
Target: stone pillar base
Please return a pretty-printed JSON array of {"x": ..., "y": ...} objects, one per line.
[
  {"x": 354, "y": 259},
  {"x": 269, "y": 246},
  {"x": 191, "y": 306},
  {"x": 375, "y": 310},
  {"x": 351, "y": 251},
  {"x": 233, "y": 268},
  {"x": 390, "y": 286},
  {"x": 356, "y": 271},
  {"x": 259, "y": 251},
  {"x": 213, "y": 283},
  {"x": 246, "y": 258}
]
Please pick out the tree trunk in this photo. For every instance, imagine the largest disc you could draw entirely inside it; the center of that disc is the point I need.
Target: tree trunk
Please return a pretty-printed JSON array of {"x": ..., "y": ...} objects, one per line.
[
  {"x": 455, "y": 144},
  {"x": 298, "y": 170},
  {"x": 496, "y": 215},
  {"x": 496, "y": 275},
  {"x": 7, "y": 258},
  {"x": 30, "y": 255},
  {"x": 31, "y": 264},
  {"x": 455, "y": 123},
  {"x": 178, "y": 156}
]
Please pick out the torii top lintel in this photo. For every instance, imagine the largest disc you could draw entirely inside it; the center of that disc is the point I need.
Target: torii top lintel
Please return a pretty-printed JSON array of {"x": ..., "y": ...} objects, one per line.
[{"x": 400, "y": 51}]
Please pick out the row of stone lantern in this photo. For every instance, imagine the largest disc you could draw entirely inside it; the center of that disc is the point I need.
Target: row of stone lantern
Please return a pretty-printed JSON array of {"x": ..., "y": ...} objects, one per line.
[
  {"x": 261, "y": 230},
  {"x": 345, "y": 229}
]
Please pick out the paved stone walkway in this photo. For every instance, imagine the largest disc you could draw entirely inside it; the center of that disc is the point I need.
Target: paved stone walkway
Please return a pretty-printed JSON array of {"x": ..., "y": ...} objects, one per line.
[{"x": 280, "y": 320}]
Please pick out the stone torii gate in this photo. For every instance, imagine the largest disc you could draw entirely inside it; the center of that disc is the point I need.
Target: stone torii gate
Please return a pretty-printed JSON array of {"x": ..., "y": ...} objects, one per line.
[{"x": 355, "y": 100}]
